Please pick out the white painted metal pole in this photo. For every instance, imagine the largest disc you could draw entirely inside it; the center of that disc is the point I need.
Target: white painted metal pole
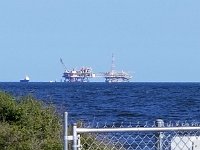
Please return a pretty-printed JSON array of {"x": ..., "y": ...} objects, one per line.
[
  {"x": 160, "y": 135},
  {"x": 136, "y": 129},
  {"x": 74, "y": 137},
  {"x": 66, "y": 131}
]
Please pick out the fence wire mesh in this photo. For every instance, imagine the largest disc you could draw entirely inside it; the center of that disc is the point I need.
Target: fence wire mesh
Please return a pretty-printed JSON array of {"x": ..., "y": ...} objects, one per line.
[{"x": 183, "y": 139}]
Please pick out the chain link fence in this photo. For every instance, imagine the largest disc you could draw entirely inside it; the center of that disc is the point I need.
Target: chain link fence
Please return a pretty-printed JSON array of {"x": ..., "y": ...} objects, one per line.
[{"x": 155, "y": 136}]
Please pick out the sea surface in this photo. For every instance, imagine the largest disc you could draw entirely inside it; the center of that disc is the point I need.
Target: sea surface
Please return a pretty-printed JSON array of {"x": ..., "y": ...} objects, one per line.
[{"x": 116, "y": 102}]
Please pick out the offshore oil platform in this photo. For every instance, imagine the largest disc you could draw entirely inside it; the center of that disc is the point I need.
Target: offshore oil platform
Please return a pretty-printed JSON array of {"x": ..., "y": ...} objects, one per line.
[
  {"x": 85, "y": 73},
  {"x": 115, "y": 76},
  {"x": 81, "y": 75}
]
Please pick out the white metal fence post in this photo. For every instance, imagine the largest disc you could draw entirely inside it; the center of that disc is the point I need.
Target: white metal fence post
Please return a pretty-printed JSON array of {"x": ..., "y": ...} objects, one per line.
[
  {"x": 74, "y": 137},
  {"x": 160, "y": 135},
  {"x": 66, "y": 131},
  {"x": 79, "y": 142}
]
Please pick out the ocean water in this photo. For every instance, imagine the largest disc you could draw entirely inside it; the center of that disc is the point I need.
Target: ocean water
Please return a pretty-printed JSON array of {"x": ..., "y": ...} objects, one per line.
[{"x": 116, "y": 102}]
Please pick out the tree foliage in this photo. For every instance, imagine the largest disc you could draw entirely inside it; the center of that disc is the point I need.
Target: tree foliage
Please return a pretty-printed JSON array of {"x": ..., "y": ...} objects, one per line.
[{"x": 28, "y": 124}]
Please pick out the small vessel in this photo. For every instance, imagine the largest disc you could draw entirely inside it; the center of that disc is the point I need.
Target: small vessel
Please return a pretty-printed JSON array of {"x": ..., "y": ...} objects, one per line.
[{"x": 26, "y": 79}]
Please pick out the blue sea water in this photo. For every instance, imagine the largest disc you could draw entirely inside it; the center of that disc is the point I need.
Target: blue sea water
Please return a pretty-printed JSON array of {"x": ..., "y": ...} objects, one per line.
[{"x": 116, "y": 102}]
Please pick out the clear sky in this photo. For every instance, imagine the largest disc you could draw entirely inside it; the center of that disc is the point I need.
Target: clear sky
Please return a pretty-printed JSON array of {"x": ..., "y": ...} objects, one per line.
[{"x": 154, "y": 40}]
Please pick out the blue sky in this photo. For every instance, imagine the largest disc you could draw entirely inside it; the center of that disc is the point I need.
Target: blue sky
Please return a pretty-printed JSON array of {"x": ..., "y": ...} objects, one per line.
[{"x": 155, "y": 40}]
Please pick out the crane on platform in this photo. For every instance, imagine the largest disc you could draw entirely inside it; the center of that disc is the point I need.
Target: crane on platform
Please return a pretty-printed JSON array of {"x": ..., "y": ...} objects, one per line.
[
  {"x": 85, "y": 73},
  {"x": 63, "y": 64},
  {"x": 81, "y": 75}
]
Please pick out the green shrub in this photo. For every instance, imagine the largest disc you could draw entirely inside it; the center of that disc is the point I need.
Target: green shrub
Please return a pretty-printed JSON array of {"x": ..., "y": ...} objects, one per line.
[{"x": 28, "y": 124}]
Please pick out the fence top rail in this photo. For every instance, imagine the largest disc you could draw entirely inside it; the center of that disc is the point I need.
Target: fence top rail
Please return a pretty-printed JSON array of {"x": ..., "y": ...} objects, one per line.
[{"x": 140, "y": 129}]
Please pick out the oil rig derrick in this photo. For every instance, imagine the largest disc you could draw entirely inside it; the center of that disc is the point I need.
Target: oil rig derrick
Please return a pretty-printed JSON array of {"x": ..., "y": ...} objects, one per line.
[
  {"x": 81, "y": 75},
  {"x": 115, "y": 76}
]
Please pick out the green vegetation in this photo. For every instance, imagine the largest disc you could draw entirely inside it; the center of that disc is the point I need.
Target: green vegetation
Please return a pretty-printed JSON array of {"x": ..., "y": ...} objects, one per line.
[
  {"x": 94, "y": 141},
  {"x": 28, "y": 124}
]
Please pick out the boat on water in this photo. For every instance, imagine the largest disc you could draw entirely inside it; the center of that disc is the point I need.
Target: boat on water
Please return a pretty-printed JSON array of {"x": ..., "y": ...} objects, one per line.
[{"x": 26, "y": 79}]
